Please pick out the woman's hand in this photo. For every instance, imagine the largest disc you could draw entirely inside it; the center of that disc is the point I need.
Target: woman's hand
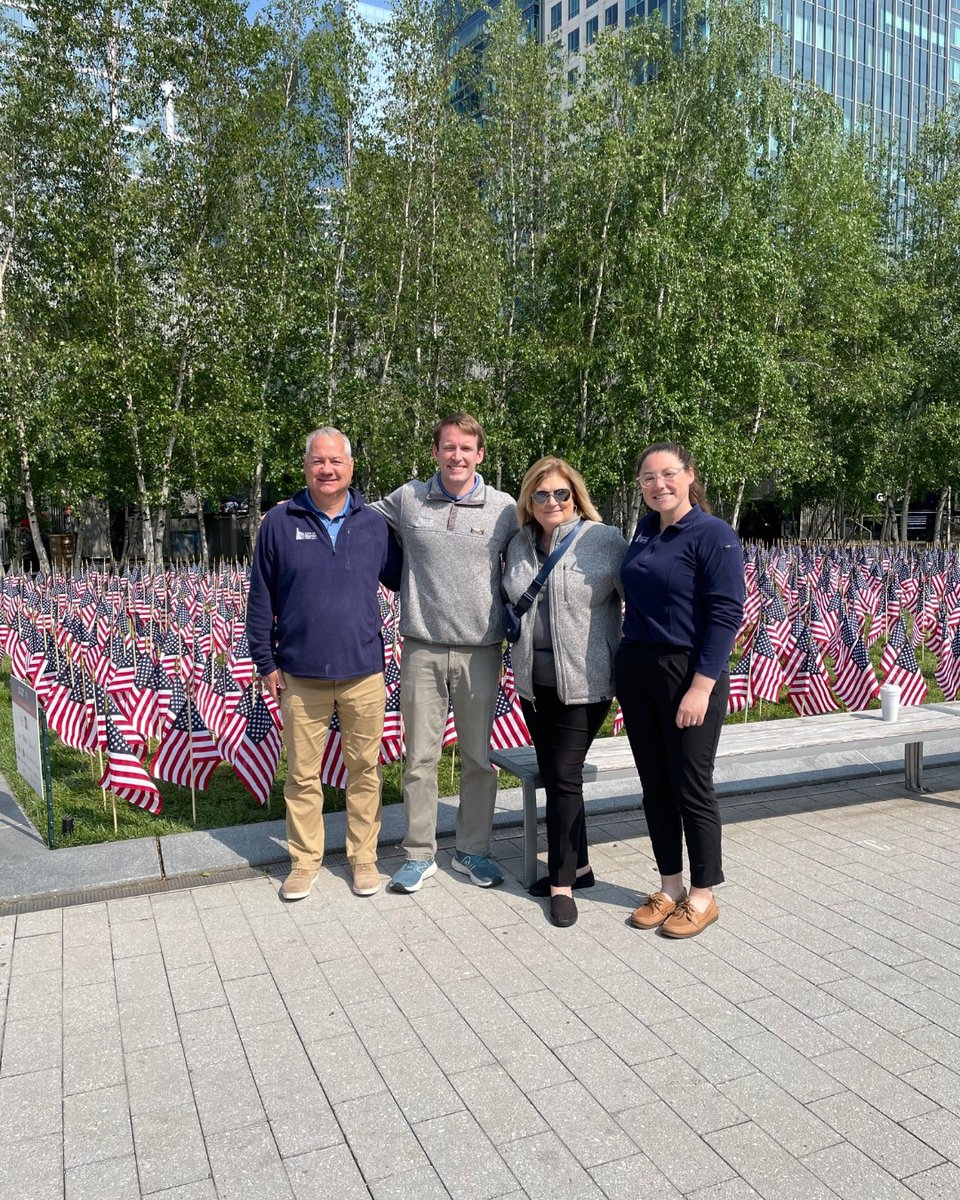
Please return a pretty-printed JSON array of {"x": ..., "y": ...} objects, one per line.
[{"x": 693, "y": 705}]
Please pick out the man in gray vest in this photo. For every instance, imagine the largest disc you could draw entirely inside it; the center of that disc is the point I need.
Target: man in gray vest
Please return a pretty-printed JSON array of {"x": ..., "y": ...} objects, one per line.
[{"x": 453, "y": 529}]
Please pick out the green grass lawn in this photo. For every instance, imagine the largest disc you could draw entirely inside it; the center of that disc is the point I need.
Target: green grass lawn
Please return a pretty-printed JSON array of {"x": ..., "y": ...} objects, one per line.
[{"x": 226, "y": 801}]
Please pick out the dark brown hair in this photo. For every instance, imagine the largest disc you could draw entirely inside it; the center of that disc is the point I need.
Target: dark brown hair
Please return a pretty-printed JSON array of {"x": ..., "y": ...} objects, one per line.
[
  {"x": 465, "y": 422},
  {"x": 697, "y": 493}
]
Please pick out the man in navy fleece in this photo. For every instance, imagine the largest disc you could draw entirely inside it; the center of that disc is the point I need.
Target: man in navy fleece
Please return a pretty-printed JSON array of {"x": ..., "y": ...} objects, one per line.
[{"x": 313, "y": 623}]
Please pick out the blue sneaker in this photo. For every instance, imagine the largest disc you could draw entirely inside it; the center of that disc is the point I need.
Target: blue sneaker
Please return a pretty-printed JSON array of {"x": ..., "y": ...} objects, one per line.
[
  {"x": 411, "y": 875},
  {"x": 482, "y": 870}
]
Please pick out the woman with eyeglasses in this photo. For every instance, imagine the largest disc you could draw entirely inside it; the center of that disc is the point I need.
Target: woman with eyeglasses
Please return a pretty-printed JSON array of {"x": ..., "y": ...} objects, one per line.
[
  {"x": 683, "y": 586},
  {"x": 563, "y": 662}
]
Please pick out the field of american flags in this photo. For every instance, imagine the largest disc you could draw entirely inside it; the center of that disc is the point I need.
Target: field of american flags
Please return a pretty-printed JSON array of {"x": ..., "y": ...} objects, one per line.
[
  {"x": 149, "y": 690},
  {"x": 147, "y": 680}
]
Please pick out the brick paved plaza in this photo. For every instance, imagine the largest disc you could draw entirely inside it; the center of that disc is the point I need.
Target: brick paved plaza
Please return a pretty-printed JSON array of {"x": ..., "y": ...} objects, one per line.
[{"x": 214, "y": 1043}]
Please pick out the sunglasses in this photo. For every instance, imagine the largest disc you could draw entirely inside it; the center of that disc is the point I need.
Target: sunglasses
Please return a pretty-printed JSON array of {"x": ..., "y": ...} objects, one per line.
[{"x": 561, "y": 495}]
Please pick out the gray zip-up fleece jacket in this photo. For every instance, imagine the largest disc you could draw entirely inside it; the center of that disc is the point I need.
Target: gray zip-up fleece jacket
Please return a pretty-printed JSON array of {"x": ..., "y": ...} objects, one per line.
[
  {"x": 585, "y": 609},
  {"x": 450, "y": 590}
]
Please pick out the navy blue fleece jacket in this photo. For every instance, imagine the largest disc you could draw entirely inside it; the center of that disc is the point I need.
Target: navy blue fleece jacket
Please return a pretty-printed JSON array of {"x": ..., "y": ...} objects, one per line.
[
  {"x": 313, "y": 608},
  {"x": 684, "y": 587}
]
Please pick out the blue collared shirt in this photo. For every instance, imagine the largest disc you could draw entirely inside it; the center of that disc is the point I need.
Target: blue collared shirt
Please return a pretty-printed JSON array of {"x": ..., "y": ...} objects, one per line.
[{"x": 333, "y": 524}]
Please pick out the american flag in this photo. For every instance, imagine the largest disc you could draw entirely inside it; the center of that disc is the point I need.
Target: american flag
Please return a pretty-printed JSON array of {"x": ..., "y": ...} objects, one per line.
[
  {"x": 751, "y": 607},
  {"x": 392, "y": 742},
  {"x": 203, "y": 695},
  {"x": 67, "y": 712},
  {"x": 175, "y": 654},
  {"x": 892, "y": 603},
  {"x": 509, "y": 727},
  {"x": 226, "y": 692},
  {"x": 156, "y": 688},
  {"x": 895, "y": 643},
  {"x": 856, "y": 681},
  {"x": 188, "y": 755},
  {"x": 241, "y": 664},
  {"x": 178, "y": 697},
  {"x": 766, "y": 673},
  {"x": 45, "y": 676},
  {"x": 808, "y": 689},
  {"x": 740, "y": 697},
  {"x": 256, "y": 754},
  {"x": 449, "y": 727},
  {"x": 906, "y": 672},
  {"x": 333, "y": 770},
  {"x": 389, "y": 603},
  {"x": 822, "y": 624},
  {"x": 235, "y": 724},
  {"x": 121, "y": 670},
  {"x": 618, "y": 722},
  {"x": 100, "y": 706},
  {"x": 947, "y": 673},
  {"x": 125, "y": 775},
  {"x": 940, "y": 634}
]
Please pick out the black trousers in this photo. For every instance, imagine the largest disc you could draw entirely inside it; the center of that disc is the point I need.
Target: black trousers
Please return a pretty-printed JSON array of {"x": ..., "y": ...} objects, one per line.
[
  {"x": 562, "y": 734},
  {"x": 675, "y": 765}
]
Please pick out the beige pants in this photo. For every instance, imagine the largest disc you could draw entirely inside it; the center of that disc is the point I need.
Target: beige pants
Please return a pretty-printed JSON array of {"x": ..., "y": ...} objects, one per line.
[
  {"x": 434, "y": 675},
  {"x": 308, "y": 706}
]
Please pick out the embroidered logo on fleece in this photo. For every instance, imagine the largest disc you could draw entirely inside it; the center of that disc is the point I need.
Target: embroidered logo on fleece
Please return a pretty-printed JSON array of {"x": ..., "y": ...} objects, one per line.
[{"x": 306, "y": 535}]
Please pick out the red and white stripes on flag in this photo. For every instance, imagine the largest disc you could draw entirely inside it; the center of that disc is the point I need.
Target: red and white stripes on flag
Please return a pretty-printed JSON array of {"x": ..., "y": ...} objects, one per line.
[
  {"x": 125, "y": 775},
  {"x": 256, "y": 755},
  {"x": 188, "y": 755},
  {"x": 766, "y": 674},
  {"x": 856, "y": 681},
  {"x": 905, "y": 671},
  {"x": 333, "y": 770},
  {"x": 740, "y": 697}
]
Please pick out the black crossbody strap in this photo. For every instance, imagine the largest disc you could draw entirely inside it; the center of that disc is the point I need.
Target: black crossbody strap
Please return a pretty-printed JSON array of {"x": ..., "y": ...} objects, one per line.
[{"x": 550, "y": 562}]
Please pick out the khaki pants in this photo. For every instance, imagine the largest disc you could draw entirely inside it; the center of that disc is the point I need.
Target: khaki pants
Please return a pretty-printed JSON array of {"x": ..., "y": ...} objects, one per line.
[
  {"x": 308, "y": 706},
  {"x": 432, "y": 677}
]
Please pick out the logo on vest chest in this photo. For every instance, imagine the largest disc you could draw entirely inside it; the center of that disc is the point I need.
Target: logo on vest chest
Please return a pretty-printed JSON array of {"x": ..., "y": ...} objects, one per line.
[{"x": 306, "y": 535}]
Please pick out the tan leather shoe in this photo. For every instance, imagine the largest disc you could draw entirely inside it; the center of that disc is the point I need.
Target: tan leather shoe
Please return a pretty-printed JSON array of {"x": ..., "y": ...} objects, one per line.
[
  {"x": 366, "y": 879},
  {"x": 686, "y": 922},
  {"x": 298, "y": 883},
  {"x": 655, "y": 910}
]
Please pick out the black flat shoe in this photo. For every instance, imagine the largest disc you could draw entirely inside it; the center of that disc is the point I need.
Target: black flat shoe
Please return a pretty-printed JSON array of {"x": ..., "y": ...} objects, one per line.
[
  {"x": 542, "y": 886},
  {"x": 563, "y": 911}
]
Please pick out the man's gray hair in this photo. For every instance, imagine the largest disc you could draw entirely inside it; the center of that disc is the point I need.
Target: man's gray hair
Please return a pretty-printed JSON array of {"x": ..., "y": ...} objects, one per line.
[{"x": 330, "y": 432}]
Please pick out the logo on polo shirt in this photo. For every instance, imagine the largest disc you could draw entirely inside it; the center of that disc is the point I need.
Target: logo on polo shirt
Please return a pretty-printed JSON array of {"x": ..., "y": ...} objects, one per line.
[{"x": 306, "y": 535}]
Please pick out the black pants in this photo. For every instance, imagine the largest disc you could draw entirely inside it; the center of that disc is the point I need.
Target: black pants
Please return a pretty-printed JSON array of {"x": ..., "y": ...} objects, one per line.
[
  {"x": 675, "y": 765},
  {"x": 562, "y": 734}
]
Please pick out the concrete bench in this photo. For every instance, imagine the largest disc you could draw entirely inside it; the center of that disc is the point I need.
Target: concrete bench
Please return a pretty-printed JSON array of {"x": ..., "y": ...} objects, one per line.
[{"x": 753, "y": 741}]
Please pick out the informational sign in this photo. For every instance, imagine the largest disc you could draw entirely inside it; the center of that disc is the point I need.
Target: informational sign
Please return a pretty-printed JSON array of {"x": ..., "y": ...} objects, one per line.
[{"x": 26, "y": 734}]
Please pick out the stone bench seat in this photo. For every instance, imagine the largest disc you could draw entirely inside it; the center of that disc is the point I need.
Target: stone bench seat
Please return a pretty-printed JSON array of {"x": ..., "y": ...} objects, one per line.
[{"x": 755, "y": 741}]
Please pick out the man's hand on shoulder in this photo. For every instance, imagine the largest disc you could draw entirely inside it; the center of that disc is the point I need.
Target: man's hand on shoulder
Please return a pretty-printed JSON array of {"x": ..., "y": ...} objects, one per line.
[{"x": 274, "y": 683}]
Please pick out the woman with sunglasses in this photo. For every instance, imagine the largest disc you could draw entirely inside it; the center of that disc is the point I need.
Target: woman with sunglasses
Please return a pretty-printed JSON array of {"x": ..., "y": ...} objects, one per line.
[
  {"x": 683, "y": 586},
  {"x": 563, "y": 662}
]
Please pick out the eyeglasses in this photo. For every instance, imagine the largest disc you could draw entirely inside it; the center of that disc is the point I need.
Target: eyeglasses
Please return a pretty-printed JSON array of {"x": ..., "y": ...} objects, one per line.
[
  {"x": 649, "y": 478},
  {"x": 561, "y": 495}
]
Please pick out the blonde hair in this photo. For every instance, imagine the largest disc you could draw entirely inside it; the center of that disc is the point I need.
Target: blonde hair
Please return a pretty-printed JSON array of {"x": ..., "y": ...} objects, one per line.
[{"x": 538, "y": 472}]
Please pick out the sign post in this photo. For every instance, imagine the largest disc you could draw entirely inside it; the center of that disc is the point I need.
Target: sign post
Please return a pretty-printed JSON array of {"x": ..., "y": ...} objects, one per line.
[{"x": 32, "y": 742}]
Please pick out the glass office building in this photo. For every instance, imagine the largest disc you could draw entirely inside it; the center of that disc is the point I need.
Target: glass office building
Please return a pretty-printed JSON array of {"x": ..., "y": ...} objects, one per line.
[
  {"x": 889, "y": 64},
  {"x": 885, "y": 62}
]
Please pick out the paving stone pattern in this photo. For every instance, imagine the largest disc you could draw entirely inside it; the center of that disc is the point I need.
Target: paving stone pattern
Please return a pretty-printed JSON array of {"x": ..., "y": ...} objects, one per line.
[{"x": 216, "y": 1044}]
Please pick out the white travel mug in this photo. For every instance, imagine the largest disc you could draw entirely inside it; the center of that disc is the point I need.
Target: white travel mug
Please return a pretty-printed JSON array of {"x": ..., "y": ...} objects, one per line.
[{"x": 890, "y": 701}]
